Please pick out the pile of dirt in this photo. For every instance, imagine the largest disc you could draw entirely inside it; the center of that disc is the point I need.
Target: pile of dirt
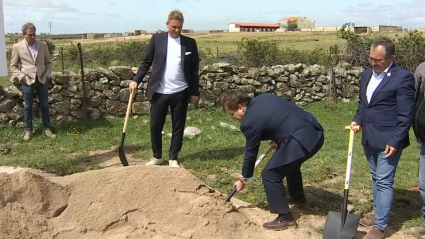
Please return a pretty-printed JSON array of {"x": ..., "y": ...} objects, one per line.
[
  {"x": 27, "y": 202},
  {"x": 130, "y": 202}
]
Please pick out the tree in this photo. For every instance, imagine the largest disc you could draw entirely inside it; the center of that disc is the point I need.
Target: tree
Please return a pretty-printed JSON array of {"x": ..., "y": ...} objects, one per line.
[{"x": 292, "y": 24}]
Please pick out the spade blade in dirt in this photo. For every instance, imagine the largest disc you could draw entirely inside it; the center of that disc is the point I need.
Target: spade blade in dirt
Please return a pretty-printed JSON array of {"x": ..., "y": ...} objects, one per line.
[
  {"x": 121, "y": 152},
  {"x": 335, "y": 228},
  {"x": 342, "y": 225}
]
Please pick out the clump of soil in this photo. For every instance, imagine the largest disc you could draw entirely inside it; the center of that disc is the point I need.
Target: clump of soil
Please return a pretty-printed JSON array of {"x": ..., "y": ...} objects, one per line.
[{"x": 27, "y": 202}]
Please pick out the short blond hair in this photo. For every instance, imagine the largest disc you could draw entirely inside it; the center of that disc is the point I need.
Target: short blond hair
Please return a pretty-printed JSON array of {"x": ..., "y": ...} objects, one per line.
[{"x": 176, "y": 15}]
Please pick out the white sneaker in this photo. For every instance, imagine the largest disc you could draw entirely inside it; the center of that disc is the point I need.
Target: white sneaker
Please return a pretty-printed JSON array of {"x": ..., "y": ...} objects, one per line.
[
  {"x": 155, "y": 161},
  {"x": 173, "y": 163}
]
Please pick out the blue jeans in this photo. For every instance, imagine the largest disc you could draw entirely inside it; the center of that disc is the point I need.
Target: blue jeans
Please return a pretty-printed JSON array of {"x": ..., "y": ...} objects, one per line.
[
  {"x": 42, "y": 93},
  {"x": 421, "y": 147},
  {"x": 383, "y": 172}
]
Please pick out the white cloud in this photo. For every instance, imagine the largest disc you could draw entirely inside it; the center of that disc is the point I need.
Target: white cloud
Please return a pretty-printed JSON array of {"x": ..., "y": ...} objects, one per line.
[
  {"x": 39, "y": 5},
  {"x": 377, "y": 14}
]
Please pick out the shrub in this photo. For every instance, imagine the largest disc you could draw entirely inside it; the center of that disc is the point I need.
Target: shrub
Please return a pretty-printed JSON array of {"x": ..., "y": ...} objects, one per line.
[
  {"x": 410, "y": 48},
  {"x": 50, "y": 46},
  {"x": 258, "y": 53}
]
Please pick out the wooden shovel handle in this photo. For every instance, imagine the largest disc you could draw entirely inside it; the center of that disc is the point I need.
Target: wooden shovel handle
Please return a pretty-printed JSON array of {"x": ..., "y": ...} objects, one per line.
[
  {"x": 127, "y": 115},
  {"x": 355, "y": 127}
]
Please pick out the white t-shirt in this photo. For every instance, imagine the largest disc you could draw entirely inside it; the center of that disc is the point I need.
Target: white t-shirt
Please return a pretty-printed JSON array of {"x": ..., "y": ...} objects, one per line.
[{"x": 173, "y": 80}]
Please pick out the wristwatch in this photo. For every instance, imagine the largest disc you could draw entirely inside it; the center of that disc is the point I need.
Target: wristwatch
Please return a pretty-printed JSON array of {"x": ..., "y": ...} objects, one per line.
[{"x": 244, "y": 180}]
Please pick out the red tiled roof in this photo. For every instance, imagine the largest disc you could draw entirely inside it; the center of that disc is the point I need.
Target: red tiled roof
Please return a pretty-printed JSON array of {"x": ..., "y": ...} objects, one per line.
[
  {"x": 247, "y": 24},
  {"x": 289, "y": 19}
]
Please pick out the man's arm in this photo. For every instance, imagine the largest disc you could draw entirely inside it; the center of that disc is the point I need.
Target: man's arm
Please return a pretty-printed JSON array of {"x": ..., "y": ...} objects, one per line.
[
  {"x": 47, "y": 62},
  {"x": 147, "y": 61},
  {"x": 405, "y": 107},
  {"x": 15, "y": 62},
  {"x": 419, "y": 74},
  {"x": 358, "y": 117},
  {"x": 251, "y": 150},
  {"x": 195, "y": 71}
]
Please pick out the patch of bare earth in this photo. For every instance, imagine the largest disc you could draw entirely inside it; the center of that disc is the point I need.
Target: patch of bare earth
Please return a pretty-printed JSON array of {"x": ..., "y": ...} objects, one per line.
[{"x": 132, "y": 202}]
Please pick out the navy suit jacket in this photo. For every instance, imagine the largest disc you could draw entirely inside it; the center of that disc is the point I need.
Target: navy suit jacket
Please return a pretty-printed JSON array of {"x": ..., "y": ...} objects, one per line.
[
  {"x": 270, "y": 117},
  {"x": 156, "y": 56},
  {"x": 389, "y": 115}
]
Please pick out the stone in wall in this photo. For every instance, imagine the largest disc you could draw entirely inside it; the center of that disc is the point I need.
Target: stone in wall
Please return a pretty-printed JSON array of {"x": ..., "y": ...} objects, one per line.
[{"x": 107, "y": 90}]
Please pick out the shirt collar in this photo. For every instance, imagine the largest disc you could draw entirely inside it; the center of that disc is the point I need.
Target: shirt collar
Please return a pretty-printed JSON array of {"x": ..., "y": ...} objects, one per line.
[
  {"x": 385, "y": 71},
  {"x": 34, "y": 44}
]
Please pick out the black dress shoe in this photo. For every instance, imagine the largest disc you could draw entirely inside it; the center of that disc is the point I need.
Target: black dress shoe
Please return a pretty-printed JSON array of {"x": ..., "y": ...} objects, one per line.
[{"x": 283, "y": 221}]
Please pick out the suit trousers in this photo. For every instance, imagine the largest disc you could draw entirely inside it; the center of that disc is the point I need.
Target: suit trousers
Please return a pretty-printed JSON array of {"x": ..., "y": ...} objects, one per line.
[
  {"x": 160, "y": 103},
  {"x": 421, "y": 148},
  {"x": 273, "y": 181}
]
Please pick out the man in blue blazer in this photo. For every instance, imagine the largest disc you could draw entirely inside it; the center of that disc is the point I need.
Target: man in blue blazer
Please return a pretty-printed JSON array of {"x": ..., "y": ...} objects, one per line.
[
  {"x": 385, "y": 115},
  {"x": 297, "y": 136}
]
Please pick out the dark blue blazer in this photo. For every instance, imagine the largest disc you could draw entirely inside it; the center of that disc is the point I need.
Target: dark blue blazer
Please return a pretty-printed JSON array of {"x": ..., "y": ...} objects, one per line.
[
  {"x": 389, "y": 115},
  {"x": 270, "y": 117}
]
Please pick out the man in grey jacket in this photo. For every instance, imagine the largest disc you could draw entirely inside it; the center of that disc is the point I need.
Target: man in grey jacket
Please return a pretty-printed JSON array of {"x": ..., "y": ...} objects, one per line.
[{"x": 419, "y": 129}]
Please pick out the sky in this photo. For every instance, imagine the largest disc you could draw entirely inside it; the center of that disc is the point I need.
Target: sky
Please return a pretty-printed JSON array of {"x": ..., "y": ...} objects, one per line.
[{"x": 107, "y": 16}]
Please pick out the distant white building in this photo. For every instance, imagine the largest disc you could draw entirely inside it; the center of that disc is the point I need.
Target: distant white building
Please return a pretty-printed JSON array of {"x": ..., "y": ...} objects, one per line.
[{"x": 302, "y": 22}]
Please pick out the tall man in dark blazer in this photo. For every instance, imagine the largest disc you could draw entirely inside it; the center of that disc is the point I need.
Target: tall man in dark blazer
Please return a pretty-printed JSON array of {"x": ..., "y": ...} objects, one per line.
[
  {"x": 297, "y": 136},
  {"x": 385, "y": 114},
  {"x": 173, "y": 83}
]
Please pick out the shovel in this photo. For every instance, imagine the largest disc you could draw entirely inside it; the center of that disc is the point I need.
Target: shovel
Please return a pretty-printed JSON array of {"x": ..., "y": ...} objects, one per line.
[
  {"x": 343, "y": 225},
  {"x": 256, "y": 164},
  {"x": 121, "y": 152}
]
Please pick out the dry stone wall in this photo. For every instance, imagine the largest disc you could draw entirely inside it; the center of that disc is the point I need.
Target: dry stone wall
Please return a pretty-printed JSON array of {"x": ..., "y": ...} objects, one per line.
[{"x": 107, "y": 90}]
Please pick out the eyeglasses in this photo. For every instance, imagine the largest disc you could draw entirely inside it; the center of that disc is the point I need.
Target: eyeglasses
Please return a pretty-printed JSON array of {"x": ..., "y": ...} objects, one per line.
[{"x": 376, "y": 60}]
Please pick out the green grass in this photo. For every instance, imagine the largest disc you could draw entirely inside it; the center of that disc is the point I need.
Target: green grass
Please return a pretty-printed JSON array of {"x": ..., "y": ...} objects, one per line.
[{"x": 217, "y": 155}]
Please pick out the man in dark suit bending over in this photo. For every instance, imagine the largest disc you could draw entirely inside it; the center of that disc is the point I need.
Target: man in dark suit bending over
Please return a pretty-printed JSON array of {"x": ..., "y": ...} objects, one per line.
[
  {"x": 297, "y": 136},
  {"x": 173, "y": 83}
]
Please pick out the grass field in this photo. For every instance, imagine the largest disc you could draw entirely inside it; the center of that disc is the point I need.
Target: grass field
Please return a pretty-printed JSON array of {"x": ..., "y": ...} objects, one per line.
[
  {"x": 218, "y": 44},
  {"x": 217, "y": 155},
  {"x": 226, "y": 42}
]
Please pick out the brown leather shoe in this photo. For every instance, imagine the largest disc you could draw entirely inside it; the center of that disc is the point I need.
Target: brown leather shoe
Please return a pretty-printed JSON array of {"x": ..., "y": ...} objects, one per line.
[
  {"x": 280, "y": 223},
  {"x": 49, "y": 133},
  {"x": 367, "y": 220},
  {"x": 375, "y": 233},
  {"x": 27, "y": 135}
]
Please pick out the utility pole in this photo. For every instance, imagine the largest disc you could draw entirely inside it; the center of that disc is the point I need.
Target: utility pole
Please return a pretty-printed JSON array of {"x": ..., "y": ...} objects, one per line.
[{"x": 50, "y": 24}]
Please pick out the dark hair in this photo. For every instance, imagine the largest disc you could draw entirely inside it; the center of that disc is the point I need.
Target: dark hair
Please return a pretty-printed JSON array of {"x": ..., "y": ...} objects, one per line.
[
  {"x": 387, "y": 43},
  {"x": 26, "y": 26},
  {"x": 235, "y": 98}
]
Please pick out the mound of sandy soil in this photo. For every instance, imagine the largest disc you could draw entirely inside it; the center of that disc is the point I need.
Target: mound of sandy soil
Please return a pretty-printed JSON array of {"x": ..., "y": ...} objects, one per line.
[{"x": 131, "y": 202}]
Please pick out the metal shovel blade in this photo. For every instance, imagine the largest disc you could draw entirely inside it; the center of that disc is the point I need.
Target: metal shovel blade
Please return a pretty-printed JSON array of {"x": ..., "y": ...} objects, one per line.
[
  {"x": 121, "y": 152},
  {"x": 335, "y": 228}
]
